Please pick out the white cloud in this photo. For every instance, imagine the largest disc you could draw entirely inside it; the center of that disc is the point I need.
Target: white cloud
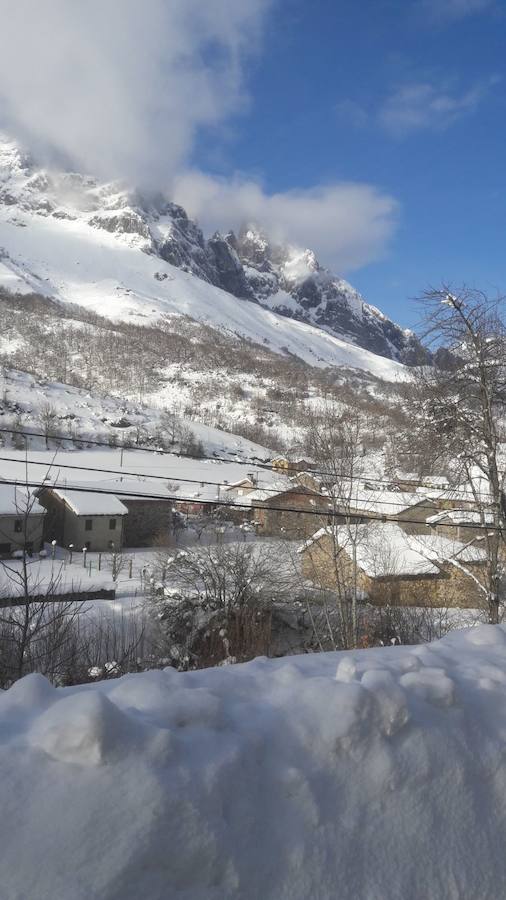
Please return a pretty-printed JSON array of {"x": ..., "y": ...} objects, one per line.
[
  {"x": 452, "y": 10},
  {"x": 121, "y": 86},
  {"x": 422, "y": 105},
  {"x": 348, "y": 224}
]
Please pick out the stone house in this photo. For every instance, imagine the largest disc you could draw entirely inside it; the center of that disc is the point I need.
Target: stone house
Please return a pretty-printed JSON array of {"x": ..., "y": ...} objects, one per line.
[
  {"x": 307, "y": 479},
  {"x": 293, "y": 512},
  {"x": 240, "y": 488},
  {"x": 452, "y": 498},
  {"x": 21, "y": 520},
  {"x": 83, "y": 518},
  {"x": 461, "y": 524},
  {"x": 149, "y": 508},
  {"x": 291, "y": 463},
  {"x": 410, "y": 483},
  {"x": 148, "y": 520},
  {"x": 390, "y": 567},
  {"x": 409, "y": 510}
]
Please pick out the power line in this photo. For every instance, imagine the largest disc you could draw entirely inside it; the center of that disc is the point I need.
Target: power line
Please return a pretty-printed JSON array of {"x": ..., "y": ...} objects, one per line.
[
  {"x": 221, "y": 484},
  {"x": 223, "y": 503},
  {"x": 238, "y": 462}
]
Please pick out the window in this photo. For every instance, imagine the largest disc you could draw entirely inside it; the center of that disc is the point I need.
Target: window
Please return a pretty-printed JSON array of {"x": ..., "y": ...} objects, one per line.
[
  {"x": 18, "y": 526},
  {"x": 88, "y": 524},
  {"x": 112, "y": 524}
]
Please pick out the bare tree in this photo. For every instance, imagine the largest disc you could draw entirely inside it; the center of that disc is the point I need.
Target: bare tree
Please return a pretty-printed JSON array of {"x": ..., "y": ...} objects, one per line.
[
  {"x": 459, "y": 408},
  {"x": 215, "y": 603},
  {"x": 334, "y": 440},
  {"x": 48, "y": 416},
  {"x": 37, "y": 611},
  {"x": 118, "y": 561},
  {"x": 170, "y": 425}
]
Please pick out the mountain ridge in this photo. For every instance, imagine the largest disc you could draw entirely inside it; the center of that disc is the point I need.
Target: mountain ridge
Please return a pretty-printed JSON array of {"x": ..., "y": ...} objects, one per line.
[{"x": 58, "y": 208}]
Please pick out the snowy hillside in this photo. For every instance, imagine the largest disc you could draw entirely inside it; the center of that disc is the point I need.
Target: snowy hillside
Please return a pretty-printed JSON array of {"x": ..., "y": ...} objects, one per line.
[
  {"x": 78, "y": 416},
  {"x": 361, "y": 775},
  {"x": 67, "y": 237}
]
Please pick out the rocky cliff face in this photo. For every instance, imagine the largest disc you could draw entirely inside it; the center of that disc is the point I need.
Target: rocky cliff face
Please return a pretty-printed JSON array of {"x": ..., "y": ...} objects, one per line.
[
  {"x": 292, "y": 282},
  {"x": 248, "y": 265}
]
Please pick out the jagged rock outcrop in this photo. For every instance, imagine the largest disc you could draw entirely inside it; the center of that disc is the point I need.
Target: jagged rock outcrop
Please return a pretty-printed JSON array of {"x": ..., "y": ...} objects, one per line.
[{"x": 293, "y": 283}]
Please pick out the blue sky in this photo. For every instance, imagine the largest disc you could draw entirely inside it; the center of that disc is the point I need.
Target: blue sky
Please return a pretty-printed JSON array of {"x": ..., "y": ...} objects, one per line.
[{"x": 405, "y": 96}]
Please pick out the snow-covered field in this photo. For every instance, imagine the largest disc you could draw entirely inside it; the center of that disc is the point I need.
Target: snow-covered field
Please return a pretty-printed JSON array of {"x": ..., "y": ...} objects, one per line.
[
  {"x": 139, "y": 472},
  {"x": 369, "y": 775}
]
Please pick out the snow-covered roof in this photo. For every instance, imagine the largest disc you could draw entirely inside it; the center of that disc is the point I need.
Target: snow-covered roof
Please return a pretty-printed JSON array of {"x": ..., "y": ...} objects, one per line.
[
  {"x": 460, "y": 494},
  {"x": 244, "y": 482},
  {"x": 139, "y": 488},
  {"x": 461, "y": 517},
  {"x": 385, "y": 549},
  {"x": 17, "y": 500},
  {"x": 386, "y": 503},
  {"x": 438, "y": 547},
  {"x": 90, "y": 503},
  {"x": 437, "y": 481},
  {"x": 270, "y": 490}
]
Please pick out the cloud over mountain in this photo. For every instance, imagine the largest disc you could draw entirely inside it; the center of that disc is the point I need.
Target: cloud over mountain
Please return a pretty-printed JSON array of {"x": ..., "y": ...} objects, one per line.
[
  {"x": 126, "y": 90},
  {"x": 348, "y": 223},
  {"x": 121, "y": 87}
]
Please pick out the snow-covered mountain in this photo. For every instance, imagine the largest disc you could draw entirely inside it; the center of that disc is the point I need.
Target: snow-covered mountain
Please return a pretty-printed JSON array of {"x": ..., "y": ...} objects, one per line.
[
  {"x": 292, "y": 282},
  {"x": 136, "y": 258}
]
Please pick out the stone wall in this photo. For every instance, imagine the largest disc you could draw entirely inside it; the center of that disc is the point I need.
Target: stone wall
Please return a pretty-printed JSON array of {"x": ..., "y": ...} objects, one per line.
[
  {"x": 146, "y": 521},
  {"x": 452, "y": 587},
  {"x": 293, "y": 515}
]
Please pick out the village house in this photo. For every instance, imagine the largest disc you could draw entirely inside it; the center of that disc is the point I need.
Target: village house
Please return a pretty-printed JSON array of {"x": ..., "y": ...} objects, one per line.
[
  {"x": 232, "y": 492},
  {"x": 149, "y": 506},
  {"x": 291, "y": 511},
  {"x": 21, "y": 520},
  {"x": 291, "y": 463},
  {"x": 464, "y": 496},
  {"x": 240, "y": 488},
  {"x": 452, "y": 498},
  {"x": 389, "y": 567},
  {"x": 307, "y": 479},
  {"x": 148, "y": 520},
  {"x": 83, "y": 518},
  {"x": 411, "y": 483},
  {"x": 409, "y": 510},
  {"x": 461, "y": 524}
]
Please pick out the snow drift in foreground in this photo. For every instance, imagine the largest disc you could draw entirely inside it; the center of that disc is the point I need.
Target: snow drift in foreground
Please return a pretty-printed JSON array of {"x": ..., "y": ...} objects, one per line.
[{"x": 376, "y": 774}]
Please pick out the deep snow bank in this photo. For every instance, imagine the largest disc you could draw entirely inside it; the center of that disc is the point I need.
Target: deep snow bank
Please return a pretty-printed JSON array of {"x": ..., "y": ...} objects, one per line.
[{"x": 378, "y": 774}]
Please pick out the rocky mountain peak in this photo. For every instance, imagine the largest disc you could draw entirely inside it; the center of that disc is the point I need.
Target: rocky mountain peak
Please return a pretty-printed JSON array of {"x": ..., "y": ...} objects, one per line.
[{"x": 249, "y": 265}]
